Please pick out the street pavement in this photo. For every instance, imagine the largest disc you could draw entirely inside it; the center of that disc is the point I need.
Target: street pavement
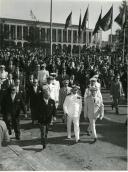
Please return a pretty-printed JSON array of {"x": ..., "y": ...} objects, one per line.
[{"x": 108, "y": 153}]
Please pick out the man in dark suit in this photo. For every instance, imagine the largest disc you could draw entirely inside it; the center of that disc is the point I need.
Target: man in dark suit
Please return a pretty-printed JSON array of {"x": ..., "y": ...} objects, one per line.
[
  {"x": 32, "y": 97},
  {"x": 47, "y": 111},
  {"x": 11, "y": 105}
]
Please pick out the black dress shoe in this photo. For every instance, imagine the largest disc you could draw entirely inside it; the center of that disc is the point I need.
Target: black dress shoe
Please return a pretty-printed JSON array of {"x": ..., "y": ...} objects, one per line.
[
  {"x": 78, "y": 141},
  {"x": 88, "y": 133},
  {"x": 17, "y": 138},
  {"x": 44, "y": 146},
  {"x": 94, "y": 141}
]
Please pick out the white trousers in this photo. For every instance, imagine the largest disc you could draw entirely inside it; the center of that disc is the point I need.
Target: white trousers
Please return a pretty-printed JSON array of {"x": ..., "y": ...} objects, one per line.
[
  {"x": 92, "y": 126},
  {"x": 75, "y": 121}
]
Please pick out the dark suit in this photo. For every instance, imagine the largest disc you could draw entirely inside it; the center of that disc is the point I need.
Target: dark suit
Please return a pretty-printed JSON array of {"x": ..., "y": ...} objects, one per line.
[
  {"x": 46, "y": 112},
  {"x": 32, "y": 98},
  {"x": 11, "y": 111}
]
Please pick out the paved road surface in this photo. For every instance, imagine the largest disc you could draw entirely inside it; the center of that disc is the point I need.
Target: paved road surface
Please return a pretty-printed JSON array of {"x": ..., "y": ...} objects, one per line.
[{"x": 108, "y": 153}]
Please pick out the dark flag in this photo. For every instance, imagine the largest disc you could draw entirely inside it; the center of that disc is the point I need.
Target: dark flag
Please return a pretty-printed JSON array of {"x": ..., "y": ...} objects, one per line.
[
  {"x": 121, "y": 18},
  {"x": 106, "y": 21},
  {"x": 85, "y": 19},
  {"x": 32, "y": 15},
  {"x": 97, "y": 26},
  {"x": 68, "y": 22},
  {"x": 79, "y": 28}
]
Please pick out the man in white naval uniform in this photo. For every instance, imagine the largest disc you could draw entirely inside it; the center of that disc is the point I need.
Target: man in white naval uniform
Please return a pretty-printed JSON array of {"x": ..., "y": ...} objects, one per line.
[
  {"x": 93, "y": 109},
  {"x": 97, "y": 83},
  {"x": 72, "y": 108},
  {"x": 93, "y": 82},
  {"x": 3, "y": 74},
  {"x": 43, "y": 74},
  {"x": 55, "y": 92}
]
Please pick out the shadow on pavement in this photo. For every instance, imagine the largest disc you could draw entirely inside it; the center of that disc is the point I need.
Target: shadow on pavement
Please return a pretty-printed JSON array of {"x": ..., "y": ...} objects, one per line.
[{"x": 113, "y": 132}]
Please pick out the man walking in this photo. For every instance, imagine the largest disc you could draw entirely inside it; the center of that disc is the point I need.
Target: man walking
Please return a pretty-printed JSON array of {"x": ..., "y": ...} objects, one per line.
[
  {"x": 11, "y": 105},
  {"x": 47, "y": 111},
  {"x": 93, "y": 109},
  {"x": 72, "y": 109}
]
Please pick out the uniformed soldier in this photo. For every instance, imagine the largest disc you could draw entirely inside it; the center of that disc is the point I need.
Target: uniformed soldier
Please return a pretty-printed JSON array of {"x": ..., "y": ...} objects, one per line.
[
  {"x": 93, "y": 109},
  {"x": 64, "y": 91},
  {"x": 43, "y": 74},
  {"x": 98, "y": 85},
  {"x": 72, "y": 109},
  {"x": 3, "y": 73},
  {"x": 92, "y": 84},
  {"x": 55, "y": 94}
]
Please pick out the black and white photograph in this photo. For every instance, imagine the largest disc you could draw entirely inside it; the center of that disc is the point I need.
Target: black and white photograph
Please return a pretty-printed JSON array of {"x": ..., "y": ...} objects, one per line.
[{"x": 63, "y": 85}]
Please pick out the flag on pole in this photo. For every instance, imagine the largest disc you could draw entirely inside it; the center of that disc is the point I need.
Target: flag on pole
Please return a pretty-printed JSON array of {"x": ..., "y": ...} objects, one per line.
[
  {"x": 85, "y": 19},
  {"x": 32, "y": 15},
  {"x": 106, "y": 21},
  {"x": 97, "y": 26},
  {"x": 79, "y": 28},
  {"x": 121, "y": 18},
  {"x": 68, "y": 22}
]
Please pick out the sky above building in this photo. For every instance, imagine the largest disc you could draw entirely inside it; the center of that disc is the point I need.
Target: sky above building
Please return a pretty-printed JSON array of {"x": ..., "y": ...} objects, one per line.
[{"x": 20, "y": 9}]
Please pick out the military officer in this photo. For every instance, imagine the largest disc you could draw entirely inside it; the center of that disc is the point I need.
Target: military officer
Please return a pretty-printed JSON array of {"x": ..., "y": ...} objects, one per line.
[
  {"x": 93, "y": 109},
  {"x": 92, "y": 83},
  {"x": 55, "y": 93},
  {"x": 43, "y": 74},
  {"x": 64, "y": 91},
  {"x": 72, "y": 109}
]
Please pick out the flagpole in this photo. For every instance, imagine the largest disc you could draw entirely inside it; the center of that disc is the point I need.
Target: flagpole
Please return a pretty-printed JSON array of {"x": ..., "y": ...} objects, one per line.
[
  {"x": 51, "y": 29},
  {"x": 79, "y": 38},
  {"x": 123, "y": 46},
  {"x": 88, "y": 16},
  {"x": 71, "y": 40}
]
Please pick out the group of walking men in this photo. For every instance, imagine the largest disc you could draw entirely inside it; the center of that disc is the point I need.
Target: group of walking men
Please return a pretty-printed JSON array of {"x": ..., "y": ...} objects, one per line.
[{"x": 44, "y": 96}]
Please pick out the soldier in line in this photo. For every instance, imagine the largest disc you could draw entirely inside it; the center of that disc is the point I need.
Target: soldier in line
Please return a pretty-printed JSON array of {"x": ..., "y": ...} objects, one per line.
[
  {"x": 72, "y": 109},
  {"x": 93, "y": 109},
  {"x": 46, "y": 112}
]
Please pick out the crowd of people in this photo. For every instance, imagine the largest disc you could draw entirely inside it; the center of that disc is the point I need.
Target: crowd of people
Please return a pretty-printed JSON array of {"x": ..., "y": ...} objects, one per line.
[{"x": 29, "y": 80}]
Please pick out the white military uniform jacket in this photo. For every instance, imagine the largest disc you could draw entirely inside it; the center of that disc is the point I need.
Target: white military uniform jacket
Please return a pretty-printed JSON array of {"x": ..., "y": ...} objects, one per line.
[
  {"x": 3, "y": 75},
  {"x": 93, "y": 107},
  {"x": 73, "y": 105},
  {"x": 55, "y": 91},
  {"x": 88, "y": 93},
  {"x": 42, "y": 76}
]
